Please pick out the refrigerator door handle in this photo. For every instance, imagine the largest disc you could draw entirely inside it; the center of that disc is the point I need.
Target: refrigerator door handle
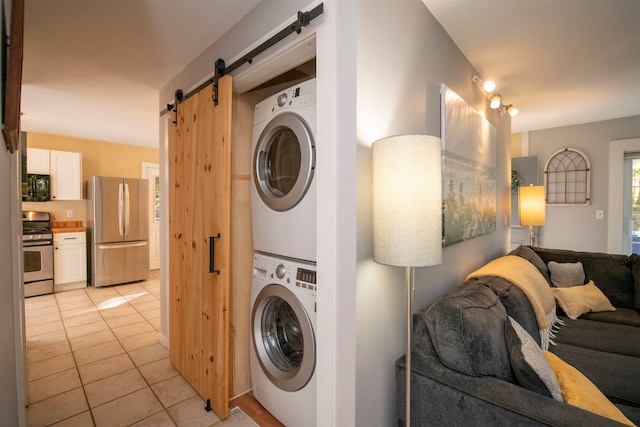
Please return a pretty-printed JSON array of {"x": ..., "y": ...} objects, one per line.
[
  {"x": 126, "y": 209},
  {"x": 120, "y": 208},
  {"x": 123, "y": 245}
]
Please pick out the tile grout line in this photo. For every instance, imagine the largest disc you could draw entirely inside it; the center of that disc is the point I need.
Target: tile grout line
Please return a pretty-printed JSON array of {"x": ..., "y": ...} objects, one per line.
[
  {"x": 94, "y": 305},
  {"x": 86, "y": 398}
]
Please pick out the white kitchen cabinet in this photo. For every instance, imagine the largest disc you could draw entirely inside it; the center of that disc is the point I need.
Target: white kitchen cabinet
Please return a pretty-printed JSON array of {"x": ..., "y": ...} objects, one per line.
[
  {"x": 66, "y": 175},
  {"x": 38, "y": 161},
  {"x": 69, "y": 261}
]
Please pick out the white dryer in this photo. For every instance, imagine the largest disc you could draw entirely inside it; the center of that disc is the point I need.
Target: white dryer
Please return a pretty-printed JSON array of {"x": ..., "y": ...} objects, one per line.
[
  {"x": 283, "y": 348},
  {"x": 283, "y": 188}
]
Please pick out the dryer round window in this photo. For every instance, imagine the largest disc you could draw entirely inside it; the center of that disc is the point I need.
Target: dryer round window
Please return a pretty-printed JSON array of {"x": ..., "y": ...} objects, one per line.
[
  {"x": 284, "y": 161},
  {"x": 283, "y": 338}
]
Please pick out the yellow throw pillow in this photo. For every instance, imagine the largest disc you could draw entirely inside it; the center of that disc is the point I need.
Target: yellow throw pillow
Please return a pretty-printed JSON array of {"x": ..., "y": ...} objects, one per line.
[
  {"x": 578, "y": 300},
  {"x": 578, "y": 391}
]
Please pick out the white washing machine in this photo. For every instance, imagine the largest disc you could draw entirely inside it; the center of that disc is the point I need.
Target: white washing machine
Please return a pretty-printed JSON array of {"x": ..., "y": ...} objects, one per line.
[
  {"x": 283, "y": 348},
  {"x": 283, "y": 190}
]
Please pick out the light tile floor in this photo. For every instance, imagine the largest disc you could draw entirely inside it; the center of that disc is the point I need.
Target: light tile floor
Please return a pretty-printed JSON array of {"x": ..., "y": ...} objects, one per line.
[{"x": 93, "y": 359}]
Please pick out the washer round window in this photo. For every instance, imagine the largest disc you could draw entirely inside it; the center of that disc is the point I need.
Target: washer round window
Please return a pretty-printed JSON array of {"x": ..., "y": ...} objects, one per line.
[
  {"x": 284, "y": 162},
  {"x": 283, "y": 338},
  {"x": 282, "y": 335}
]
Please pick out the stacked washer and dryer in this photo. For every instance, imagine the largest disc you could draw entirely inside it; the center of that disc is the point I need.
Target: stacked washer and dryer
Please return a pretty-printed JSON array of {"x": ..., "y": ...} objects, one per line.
[{"x": 283, "y": 289}]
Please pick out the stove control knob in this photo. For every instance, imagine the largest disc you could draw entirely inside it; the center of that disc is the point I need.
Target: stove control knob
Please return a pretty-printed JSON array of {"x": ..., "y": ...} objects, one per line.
[{"x": 280, "y": 271}]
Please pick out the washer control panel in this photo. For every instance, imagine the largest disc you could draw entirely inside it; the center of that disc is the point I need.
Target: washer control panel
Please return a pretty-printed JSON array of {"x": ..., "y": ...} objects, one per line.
[
  {"x": 298, "y": 274},
  {"x": 297, "y": 96}
]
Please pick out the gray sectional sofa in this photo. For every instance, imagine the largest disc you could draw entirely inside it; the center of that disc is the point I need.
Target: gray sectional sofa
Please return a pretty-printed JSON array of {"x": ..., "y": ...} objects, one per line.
[{"x": 464, "y": 372}]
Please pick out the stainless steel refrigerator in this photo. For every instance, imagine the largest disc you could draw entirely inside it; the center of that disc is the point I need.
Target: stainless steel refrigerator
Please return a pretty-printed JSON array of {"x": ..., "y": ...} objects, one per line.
[{"x": 118, "y": 224}]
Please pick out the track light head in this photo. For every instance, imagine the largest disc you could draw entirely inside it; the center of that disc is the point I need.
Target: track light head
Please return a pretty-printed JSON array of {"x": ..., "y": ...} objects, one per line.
[
  {"x": 495, "y": 102},
  {"x": 489, "y": 86}
]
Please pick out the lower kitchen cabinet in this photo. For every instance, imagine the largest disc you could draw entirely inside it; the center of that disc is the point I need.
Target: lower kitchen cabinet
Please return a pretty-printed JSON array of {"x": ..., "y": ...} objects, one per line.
[{"x": 69, "y": 261}]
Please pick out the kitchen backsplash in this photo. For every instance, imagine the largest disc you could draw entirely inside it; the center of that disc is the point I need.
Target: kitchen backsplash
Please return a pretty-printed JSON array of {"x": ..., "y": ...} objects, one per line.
[{"x": 60, "y": 209}]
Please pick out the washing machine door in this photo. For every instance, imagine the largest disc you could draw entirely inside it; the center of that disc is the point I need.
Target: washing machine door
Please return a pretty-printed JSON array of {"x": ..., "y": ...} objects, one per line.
[
  {"x": 283, "y": 338},
  {"x": 284, "y": 161}
]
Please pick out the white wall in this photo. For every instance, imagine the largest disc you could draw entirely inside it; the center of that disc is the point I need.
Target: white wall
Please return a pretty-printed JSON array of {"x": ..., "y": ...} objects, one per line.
[
  {"x": 576, "y": 227},
  {"x": 403, "y": 57},
  {"x": 390, "y": 86},
  {"x": 12, "y": 344},
  {"x": 11, "y": 314},
  {"x": 336, "y": 172}
]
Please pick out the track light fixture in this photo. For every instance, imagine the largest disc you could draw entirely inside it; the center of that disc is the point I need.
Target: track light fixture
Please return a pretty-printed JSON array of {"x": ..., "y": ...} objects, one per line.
[
  {"x": 496, "y": 100},
  {"x": 488, "y": 87}
]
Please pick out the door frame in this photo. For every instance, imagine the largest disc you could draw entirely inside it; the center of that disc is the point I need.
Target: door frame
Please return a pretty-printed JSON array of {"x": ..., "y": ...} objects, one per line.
[
  {"x": 144, "y": 173},
  {"x": 616, "y": 183}
]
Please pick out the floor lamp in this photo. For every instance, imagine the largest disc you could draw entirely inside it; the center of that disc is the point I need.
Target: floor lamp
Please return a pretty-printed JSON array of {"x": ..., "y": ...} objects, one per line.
[
  {"x": 531, "y": 207},
  {"x": 407, "y": 213}
]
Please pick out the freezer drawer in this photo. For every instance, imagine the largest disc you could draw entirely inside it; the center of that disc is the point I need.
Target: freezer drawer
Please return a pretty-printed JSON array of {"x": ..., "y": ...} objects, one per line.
[{"x": 114, "y": 263}]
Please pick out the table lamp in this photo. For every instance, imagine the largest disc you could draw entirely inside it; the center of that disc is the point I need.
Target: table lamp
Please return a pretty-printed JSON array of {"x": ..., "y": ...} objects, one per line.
[{"x": 531, "y": 207}]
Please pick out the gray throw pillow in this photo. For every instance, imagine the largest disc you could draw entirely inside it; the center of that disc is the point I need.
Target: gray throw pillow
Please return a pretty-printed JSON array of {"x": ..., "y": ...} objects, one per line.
[
  {"x": 529, "y": 365},
  {"x": 566, "y": 274}
]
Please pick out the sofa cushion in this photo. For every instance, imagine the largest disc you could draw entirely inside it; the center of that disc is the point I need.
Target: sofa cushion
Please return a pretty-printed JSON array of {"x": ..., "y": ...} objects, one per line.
[
  {"x": 616, "y": 375},
  {"x": 635, "y": 270},
  {"x": 530, "y": 255},
  {"x": 578, "y": 300},
  {"x": 622, "y": 316},
  {"x": 530, "y": 367},
  {"x": 467, "y": 332},
  {"x": 565, "y": 274},
  {"x": 601, "y": 336},
  {"x": 611, "y": 273},
  {"x": 514, "y": 301},
  {"x": 579, "y": 391}
]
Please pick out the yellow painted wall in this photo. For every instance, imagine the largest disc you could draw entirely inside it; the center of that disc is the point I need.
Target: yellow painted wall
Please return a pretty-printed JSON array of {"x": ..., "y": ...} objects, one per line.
[
  {"x": 516, "y": 145},
  {"x": 99, "y": 158}
]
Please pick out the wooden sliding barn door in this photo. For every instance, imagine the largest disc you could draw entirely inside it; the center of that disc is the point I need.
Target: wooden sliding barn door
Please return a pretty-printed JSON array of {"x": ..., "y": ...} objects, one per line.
[{"x": 200, "y": 243}]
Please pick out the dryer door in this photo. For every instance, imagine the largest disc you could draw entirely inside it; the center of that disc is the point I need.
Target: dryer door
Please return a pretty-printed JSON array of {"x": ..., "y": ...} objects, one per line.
[
  {"x": 284, "y": 161},
  {"x": 283, "y": 338}
]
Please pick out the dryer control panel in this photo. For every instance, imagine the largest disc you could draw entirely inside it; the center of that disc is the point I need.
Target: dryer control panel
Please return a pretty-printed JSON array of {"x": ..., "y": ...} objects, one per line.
[{"x": 294, "y": 97}]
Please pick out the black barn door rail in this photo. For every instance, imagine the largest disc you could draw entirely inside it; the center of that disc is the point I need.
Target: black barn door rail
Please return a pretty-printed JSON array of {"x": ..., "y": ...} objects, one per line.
[{"x": 304, "y": 18}]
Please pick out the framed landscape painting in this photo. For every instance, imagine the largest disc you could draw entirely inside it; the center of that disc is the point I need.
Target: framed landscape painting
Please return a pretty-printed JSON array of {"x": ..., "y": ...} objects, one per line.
[{"x": 468, "y": 171}]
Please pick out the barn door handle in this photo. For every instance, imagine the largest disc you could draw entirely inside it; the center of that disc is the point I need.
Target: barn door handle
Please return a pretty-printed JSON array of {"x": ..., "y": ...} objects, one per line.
[{"x": 211, "y": 254}]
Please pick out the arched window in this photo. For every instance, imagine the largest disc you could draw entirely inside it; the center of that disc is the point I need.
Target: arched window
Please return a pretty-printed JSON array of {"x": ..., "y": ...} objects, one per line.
[{"x": 567, "y": 178}]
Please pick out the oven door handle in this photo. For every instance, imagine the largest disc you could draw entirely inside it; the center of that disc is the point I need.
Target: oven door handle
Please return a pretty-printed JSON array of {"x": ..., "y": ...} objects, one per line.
[{"x": 33, "y": 244}]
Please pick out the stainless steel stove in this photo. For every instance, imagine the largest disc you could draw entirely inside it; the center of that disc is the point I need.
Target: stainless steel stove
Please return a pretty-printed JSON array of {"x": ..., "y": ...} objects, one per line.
[{"x": 37, "y": 248}]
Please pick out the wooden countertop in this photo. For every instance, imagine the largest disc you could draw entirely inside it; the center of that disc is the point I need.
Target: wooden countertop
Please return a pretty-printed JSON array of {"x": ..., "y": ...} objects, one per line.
[
  {"x": 67, "y": 226},
  {"x": 68, "y": 230}
]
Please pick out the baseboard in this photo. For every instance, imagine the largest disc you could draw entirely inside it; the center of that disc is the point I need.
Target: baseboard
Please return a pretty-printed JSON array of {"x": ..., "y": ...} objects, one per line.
[{"x": 162, "y": 339}]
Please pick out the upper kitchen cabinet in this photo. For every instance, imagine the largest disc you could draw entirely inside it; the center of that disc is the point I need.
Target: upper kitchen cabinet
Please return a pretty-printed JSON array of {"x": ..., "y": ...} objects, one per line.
[
  {"x": 38, "y": 161},
  {"x": 66, "y": 175}
]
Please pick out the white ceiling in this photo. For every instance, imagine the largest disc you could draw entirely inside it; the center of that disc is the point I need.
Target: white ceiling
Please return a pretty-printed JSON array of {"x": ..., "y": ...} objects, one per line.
[
  {"x": 92, "y": 68},
  {"x": 560, "y": 62}
]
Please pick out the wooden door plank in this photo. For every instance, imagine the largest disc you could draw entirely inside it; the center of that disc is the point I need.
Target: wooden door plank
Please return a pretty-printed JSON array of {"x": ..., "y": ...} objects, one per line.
[
  {"x": 200, "y": 198},
  {"x": 217, "y": 297}
]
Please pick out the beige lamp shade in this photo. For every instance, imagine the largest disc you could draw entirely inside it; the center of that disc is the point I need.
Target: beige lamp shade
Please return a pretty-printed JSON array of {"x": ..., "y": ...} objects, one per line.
[
  {"x": 407, "y": 201},
  {"x": 531, "y": 205}
]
